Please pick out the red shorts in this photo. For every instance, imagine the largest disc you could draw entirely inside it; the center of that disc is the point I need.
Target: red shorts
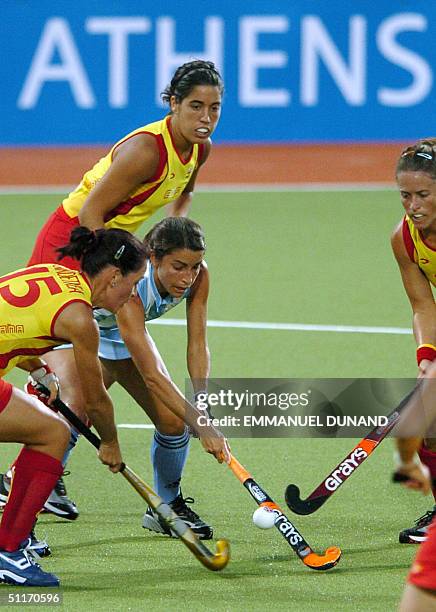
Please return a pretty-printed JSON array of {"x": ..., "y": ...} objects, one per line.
[
  {"x": 423, "y": 571},
  {"x": 5, "y": 393},
  {"x": 54, "y": 234}
]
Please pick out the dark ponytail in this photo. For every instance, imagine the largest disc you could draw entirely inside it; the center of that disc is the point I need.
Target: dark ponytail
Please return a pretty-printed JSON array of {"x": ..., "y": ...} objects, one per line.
[{"x": 104, "y": 247}]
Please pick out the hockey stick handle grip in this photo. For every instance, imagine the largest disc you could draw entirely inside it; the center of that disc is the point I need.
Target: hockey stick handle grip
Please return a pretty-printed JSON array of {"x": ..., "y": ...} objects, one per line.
[
  {"x": 77, "y": 423},
  {"x": 238, "y": 469},
  {"x": 214, "y": 562}
]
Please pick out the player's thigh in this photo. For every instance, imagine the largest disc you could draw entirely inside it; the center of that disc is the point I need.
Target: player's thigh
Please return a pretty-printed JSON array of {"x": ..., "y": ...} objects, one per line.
[
  {"x": 416, "y": 600},
  {"x": 28, "y": 421},
  {"x": 126, "y": 374}
]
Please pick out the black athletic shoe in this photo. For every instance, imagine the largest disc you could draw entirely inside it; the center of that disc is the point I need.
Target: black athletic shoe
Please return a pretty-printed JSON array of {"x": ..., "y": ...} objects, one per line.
[
  {"x": 5, "y": 485},
  {"x": 37, "y": 548},
  {"x": 59, "y": 504},
  {"x": 152, "y": 521},
  {"x": 418, "y": 533}
]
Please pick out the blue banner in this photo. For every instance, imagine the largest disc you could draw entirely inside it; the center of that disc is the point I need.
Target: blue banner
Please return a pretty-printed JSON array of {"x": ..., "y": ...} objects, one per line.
[{"x": 89, "y": 71}]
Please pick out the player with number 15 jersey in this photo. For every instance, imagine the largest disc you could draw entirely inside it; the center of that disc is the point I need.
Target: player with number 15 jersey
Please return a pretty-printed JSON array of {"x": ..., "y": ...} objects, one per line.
[{"x": 31, "y": 299}]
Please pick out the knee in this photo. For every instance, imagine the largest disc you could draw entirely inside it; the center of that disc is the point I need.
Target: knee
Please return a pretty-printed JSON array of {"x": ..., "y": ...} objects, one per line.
[
  {"x": 59, "y": 433},
  {"x": 170, "y": 426}
]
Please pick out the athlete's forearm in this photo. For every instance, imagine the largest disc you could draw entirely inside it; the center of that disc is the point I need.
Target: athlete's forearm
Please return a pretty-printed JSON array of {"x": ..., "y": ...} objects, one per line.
[
  {"x": 198, "y": 361},
  {"x": 424, "y": 325},
  {"x": 407, "y": 449},
  {"x": 89, "y": 217},
  {"x": 101, "y": 413},
  {"x": 180, "y": 207}
]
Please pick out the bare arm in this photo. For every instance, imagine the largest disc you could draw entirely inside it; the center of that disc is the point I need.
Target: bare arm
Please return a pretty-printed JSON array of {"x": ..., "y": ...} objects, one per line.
[
  {"x": 134, "y": 162},
  {"x": 152, "y": 369},
  {"x": 182, "y": 205},
  {"x": 198, "y": 356},
  {"x": 77, "y": 325},
  {"x": 418, "y": 291},
  {"x": 421, "y": 299},
  {"x": 147, "y": 359}
]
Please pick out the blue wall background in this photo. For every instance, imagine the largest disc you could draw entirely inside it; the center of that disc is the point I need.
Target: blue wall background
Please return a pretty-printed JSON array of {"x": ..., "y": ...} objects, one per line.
[{"x": 89, "y": 71}]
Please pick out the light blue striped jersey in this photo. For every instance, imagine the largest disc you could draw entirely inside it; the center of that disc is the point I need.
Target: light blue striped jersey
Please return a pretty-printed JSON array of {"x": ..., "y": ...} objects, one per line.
[{"x": 111, "y": 344}]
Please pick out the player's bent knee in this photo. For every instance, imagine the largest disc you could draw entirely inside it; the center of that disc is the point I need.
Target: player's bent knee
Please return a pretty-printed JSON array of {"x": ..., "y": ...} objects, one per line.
[
  {"x": 174, "y": 427},
  {"x": 56, "y": 433}
]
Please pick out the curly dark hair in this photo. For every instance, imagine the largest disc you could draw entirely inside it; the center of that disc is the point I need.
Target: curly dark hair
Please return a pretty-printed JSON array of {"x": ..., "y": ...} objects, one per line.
[
  {"x": 188, "y": 76},
  {"x": 174, "y": 233}
]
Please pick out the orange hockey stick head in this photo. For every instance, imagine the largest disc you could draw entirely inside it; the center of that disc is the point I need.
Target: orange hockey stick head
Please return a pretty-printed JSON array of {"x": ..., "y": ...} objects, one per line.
[{"x": 326, "y": 561}]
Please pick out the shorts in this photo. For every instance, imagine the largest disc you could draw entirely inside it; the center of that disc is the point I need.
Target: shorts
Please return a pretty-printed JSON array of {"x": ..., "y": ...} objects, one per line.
[
  {"x": 55, "y": 233},
  {"x": 5, "y": 393},
  {"x": 112, "y": 345},
  {"x": 423, "y": 571}
]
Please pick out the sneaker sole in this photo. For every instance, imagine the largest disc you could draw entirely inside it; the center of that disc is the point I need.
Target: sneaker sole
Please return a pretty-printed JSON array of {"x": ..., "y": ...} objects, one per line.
[
  {"x": 412, "y": 539},
  {"x": 11, "y": 578},
  {"x": 152, "y": 524},
  {"x": 54, "y": 509}
]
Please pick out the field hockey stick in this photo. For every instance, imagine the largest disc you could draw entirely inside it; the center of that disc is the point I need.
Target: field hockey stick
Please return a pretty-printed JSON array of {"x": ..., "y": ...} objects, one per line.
[
  {"x": 292, "y": 536},
  {"x": 346, "y": 468},
  {"x": 214, "y": 562}
]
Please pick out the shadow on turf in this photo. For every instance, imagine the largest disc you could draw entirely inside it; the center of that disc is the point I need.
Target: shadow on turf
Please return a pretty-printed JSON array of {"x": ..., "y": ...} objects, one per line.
[
  {"x": 393, "y": 546},
  {"x": 119, "y": 540}
]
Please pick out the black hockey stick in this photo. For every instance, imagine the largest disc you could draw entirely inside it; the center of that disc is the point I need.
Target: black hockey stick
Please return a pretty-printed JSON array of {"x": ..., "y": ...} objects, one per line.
[
  {"x": 292, "y": 536},
  {"x": 346, "y": 468}
]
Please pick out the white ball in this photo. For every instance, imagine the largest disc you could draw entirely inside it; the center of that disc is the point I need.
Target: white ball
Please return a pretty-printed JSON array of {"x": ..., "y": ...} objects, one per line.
[{"x": 264, "y": 518}]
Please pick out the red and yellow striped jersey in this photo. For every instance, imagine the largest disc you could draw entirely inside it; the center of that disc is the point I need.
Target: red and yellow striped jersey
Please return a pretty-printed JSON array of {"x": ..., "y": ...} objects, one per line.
[
  {"x": 419, "y": 252},
  {"x": 31, "y": 299},
  {"x": 169, "y": 181}
]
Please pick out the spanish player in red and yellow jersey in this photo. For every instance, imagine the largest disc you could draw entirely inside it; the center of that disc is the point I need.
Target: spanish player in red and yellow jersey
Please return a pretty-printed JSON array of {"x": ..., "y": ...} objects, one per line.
[
  {"x": 31, "y": 300},
  {"x": 155, "y": 165},
  {"x": 414, "y": 246},
  {"x": 40, "y": 307}
]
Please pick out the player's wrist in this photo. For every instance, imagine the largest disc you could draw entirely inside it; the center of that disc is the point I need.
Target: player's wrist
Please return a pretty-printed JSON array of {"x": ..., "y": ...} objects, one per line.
[
  {"x": 201, "y": 399},
  {"x": 425, "y": 352}
]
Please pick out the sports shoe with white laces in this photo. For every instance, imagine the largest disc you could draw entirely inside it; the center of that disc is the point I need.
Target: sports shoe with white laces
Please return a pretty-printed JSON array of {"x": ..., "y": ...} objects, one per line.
[
  {"x": 5, "y": 485},
  {"x": 152, "y": 522},
  {"x": 418, "y": 533},
  {"x": 37, "y": 548},
  {"x": 57, "y": 503},
  {"x": 18, "y": 568}
]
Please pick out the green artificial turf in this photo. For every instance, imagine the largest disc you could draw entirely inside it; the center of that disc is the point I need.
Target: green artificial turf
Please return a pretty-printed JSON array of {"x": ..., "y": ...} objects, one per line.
[{"x": 318, "y": 258}]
